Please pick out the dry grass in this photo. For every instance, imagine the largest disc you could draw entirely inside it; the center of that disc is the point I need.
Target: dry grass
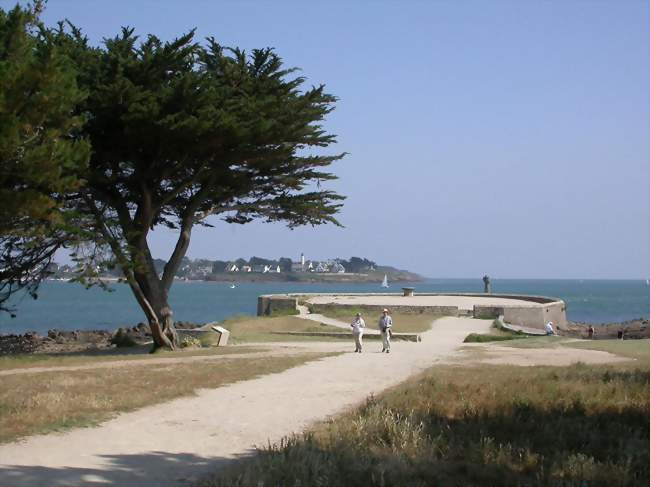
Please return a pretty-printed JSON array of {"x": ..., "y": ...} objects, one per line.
[
  {"x": 42, "y": 402},
  {"x": 488, "y": 425},
  {"x": 25, "y": 361},
  {"x": 247, "y": 329},
  {"x": 402, "y": 322}
]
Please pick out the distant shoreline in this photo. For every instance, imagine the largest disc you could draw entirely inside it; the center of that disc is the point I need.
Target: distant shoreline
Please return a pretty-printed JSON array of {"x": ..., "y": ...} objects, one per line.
[{"x": 281, "y": 277}]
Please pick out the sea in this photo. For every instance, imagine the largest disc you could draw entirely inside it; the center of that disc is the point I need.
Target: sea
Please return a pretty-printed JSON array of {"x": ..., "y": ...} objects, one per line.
[{"x": 70, "y": 306}]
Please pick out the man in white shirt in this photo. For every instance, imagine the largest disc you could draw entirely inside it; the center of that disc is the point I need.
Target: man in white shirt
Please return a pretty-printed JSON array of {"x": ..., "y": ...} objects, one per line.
[
  {"x": 549, "y": 328},
  {"x": 357, "y": 331},
  {"x": 385, "y": 325}
]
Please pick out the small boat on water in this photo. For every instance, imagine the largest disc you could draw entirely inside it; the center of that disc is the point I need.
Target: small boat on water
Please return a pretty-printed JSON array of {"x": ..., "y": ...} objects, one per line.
[
  {"x": 232, "y": 286},
  {"x": 384, "y": 283}
]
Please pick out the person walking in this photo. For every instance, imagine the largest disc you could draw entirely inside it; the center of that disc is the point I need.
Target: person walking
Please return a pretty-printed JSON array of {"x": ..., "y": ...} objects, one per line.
[
  {"x": 385, "y": 325},
  {"x": 357, "y": 331}
]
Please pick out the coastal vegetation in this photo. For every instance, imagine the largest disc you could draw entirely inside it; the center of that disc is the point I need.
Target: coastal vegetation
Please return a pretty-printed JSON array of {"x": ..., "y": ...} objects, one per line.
[
  {"x": 261, "y": 269},
  {"x": 43, "y": 401},
  {"x": 179, "y": 132},
  {"x": 478, "y": 425}
]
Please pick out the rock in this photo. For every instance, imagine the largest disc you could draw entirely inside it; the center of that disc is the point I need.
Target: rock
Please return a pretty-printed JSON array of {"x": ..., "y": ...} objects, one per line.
[{"x": 122, "y": 338}]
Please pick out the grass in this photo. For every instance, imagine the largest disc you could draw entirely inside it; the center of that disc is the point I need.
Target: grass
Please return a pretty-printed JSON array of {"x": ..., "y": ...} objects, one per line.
[
  {"x": 42, "y": 402},
  {"x": 248, "y": 329},
  {"x": 637, "y": 349},
  {"x": 485, "y": 337},
  {"x": 498, "y": 334},
  {"x": 402, "y": 322},
  {"x": 488, "y": 425},
  {"x": 20, "y": 361}
]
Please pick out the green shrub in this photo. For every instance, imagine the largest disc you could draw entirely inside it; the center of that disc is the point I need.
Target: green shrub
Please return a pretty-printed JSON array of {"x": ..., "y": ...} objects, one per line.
[
  {"x": 482, "y": 338},
  {"x": 190, "y": 342}
]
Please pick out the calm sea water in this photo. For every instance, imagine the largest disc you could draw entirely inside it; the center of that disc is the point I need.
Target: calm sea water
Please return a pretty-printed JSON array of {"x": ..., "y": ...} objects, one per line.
[{"x": 69, "y": 306}]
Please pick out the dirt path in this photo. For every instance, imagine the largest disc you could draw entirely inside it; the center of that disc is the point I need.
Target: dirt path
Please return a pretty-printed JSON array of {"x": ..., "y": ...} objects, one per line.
[{"x": 173, "y": 443}]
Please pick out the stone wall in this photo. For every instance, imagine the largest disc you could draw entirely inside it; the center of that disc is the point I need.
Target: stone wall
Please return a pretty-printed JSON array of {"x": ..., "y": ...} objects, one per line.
[
  {"x": 485, "y": 312},
  {"x": 376, "y": 310}
]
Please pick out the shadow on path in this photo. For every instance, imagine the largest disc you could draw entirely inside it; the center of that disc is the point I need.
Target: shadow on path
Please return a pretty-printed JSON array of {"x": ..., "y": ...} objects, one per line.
[{"x": 155, "y": 468}]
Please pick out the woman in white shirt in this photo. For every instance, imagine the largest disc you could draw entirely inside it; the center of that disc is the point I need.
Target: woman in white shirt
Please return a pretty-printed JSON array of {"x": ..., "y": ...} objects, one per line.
[{"x": 357, "y": 331}]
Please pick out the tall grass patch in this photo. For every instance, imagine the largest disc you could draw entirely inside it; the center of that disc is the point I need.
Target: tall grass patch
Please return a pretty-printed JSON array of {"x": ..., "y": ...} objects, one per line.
[{"x": 488, "y": 425}]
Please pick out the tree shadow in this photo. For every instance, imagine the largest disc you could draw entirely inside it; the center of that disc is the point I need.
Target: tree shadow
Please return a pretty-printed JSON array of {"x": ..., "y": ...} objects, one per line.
[
  {"x": 522, "y": 446},
  {"x": 150, "y": 469}
]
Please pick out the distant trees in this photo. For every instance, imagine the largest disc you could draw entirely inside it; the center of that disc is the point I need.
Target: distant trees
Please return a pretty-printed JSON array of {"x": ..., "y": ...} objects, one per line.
[
  {"x": 357, "y": 264},
  {"x": 42, "y": 153},
  {"x": 285, "y": 264}
]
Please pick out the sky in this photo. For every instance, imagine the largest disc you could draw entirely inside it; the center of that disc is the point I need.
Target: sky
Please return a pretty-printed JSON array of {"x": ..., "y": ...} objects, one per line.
[{"x": 501, "y": 137}]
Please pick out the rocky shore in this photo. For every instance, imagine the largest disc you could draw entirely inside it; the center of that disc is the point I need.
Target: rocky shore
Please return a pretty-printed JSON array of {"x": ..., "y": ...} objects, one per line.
[
  {"x": 632, "y": 329},
  {"x": 60, "y": 341}
]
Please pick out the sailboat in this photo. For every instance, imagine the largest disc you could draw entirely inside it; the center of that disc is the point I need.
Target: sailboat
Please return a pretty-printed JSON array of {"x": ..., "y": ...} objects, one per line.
[{"x": 384, "y": 283}]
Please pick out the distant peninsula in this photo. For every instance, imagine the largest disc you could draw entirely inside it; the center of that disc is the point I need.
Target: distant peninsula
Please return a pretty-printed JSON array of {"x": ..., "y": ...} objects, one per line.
[{"x": 259, "y": 269}]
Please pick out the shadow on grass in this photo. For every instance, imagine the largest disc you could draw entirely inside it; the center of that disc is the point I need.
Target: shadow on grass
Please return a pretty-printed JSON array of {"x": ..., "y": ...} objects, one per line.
[
  {"x": 522, "y": 445},
  {"x": 150, "y": 469}
]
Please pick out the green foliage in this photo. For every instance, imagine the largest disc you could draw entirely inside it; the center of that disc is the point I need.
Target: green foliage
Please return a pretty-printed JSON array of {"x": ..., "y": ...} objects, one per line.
[
  {"x": 40, "y": 159},
  {"x": 191, "y": 342},
  {"x": 482, "y": 338}
]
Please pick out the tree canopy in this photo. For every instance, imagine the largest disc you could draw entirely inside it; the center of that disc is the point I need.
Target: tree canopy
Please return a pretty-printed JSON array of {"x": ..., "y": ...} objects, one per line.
[
  {"x": 42, "y": 153},
  {"x": 182, "y": 131}
]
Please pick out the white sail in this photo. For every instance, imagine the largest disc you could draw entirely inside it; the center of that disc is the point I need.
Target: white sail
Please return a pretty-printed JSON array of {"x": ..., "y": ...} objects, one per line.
[{"x": 384, "y": 283}]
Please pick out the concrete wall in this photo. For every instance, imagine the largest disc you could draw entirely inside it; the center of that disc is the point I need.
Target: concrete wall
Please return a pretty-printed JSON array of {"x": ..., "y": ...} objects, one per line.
[
  {"x": 536, "y": 317},
  {"x": 547, "y": 309},
  {"x": 487, "y": 312},
  {"x": 371, "y": 309}
]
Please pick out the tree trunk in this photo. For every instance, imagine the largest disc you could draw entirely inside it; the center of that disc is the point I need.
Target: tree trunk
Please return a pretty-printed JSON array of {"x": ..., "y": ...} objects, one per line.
[
  {"x": 152, "y": 297},
  {"x": 162, "y": 329}
]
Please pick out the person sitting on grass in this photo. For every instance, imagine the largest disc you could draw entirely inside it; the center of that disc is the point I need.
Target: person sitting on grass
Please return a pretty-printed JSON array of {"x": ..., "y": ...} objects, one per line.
[
  {"x": 385, "y": 325},
  {"x": 357, "y": 331},
  {"x": 549, "y": 328}
]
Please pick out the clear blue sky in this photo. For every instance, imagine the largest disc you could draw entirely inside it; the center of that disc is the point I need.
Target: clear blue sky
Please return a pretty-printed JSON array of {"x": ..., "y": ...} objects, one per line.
[{"x": 508, "y": 138}]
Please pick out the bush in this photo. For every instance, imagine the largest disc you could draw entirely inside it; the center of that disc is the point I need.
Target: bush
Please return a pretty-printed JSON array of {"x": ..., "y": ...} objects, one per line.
[{"x": 190, "y": 342}]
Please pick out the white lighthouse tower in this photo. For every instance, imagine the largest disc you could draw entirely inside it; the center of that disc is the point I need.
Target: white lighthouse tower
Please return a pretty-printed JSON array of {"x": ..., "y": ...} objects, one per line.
[{"x": 302, "y": 261}]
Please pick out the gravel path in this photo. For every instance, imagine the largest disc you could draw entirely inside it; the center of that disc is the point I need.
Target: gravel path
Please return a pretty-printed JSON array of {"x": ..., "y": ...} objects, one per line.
[{"x": 173, "y": 443}]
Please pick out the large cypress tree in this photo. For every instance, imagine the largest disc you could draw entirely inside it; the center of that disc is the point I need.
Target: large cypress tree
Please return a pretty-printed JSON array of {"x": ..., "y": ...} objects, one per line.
[
  {"x": 40, "y": 161},
  {"x": 182, "y": 131}
]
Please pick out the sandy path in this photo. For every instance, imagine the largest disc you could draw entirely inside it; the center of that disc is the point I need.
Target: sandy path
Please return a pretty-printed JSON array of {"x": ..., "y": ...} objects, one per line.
[{"x": 175, "y": 442}]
